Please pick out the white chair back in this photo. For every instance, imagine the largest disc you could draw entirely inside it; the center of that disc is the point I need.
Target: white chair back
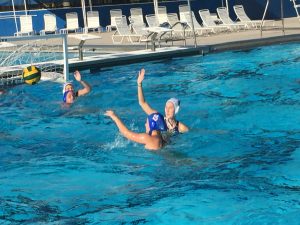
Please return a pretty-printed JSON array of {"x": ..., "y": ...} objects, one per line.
[
  {"x": 183, "y": 9},
  {"x": 114, "y": 13},
  {"x": 72, "y": 21},
  {"x": 136, "y": 12},
  {"x": 152, "y": 20},
  {"x": 207, "y": 18},
  {"x": 187, "y": 18},
  {"x": 224, "y": 16},
  {"x": 173, "y": 18},
  {"x": 122, "y": 26},
  {"x": 93, "y": 19},
  {"x": 136, "y": 16},
  {"x": 162, "y": 14},
  {"x": 241, "y": 14},
  {"x": 50, "y": 23},
  {"x": 26, "y": 24}
]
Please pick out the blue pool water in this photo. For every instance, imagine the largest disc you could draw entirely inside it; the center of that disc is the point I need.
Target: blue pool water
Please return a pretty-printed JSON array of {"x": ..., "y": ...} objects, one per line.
[{"x": 239, "y": 164}]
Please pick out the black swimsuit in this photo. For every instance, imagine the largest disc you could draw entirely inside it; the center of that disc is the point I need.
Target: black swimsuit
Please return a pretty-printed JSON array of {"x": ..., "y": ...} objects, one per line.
[{"x": 174, "y": 130}]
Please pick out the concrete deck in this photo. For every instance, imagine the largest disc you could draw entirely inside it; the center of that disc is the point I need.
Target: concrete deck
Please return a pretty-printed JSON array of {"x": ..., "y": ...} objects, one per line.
[
  {"x": 127, "y": 53},
  {"x": 292, "y": 26},
  {"x": 107, "y": 54}
]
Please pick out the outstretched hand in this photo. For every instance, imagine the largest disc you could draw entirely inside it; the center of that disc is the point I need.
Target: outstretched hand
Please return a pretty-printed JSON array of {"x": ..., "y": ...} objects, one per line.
[
  {"x": 141, "y": 76},
  {"x": 109, "y": 113},
  {"x": 77, "y": 75}
]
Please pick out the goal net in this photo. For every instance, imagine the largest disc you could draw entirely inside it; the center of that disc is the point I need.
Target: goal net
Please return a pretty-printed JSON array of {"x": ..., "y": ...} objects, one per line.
[{"x": 48, "y": 53}]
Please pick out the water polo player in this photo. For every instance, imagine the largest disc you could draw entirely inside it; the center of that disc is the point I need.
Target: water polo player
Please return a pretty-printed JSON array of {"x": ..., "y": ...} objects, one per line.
[
  {"x": 171, "y": 108},
  {"x": 152, "y": 138},
  {"x": 69, "y": 94}
]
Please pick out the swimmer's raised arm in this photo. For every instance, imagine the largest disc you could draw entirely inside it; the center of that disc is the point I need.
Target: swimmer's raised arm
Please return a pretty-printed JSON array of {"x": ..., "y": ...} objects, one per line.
[
  {"x": 86, "y": 87},
  {"x": 141, "y": 138},
  {"x": 142, "y": 102}
]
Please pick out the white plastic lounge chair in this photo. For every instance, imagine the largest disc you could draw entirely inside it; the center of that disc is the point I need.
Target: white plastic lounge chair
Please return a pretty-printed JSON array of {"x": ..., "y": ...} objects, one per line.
[
  {"x": 176, "y": 25},
  {"x": 180, "y": 30},
  {"x": 140, "y": 31},
  {"x": 209, "y": 21},
  {"x": 93, "y": 21},
  {"x": 162, "y": 15},
  {"x": 184, "y": 15},
  {"x": 183, "y": 9},
  {"x": 173, "y": 19},
  {"x": 49, "y": 24},
  {"x": 152, "y": 20},
  {"x": 226, "y": 20},
  {"x": 123, "y": 31},
  {"x": 136, "y": 17},
  {"x": 198, "y": 28},
  {"x": 161, "y": 33},
  {"x": 71, "y": 23},
  {"x": 26, "y": 27},
  {"x": 114, "y": 13},
  {"x": 243, "y": 17}
]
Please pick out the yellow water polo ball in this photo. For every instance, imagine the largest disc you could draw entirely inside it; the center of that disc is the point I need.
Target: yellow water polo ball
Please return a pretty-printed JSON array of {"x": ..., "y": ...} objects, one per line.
[{"x": 31, "y": 75}]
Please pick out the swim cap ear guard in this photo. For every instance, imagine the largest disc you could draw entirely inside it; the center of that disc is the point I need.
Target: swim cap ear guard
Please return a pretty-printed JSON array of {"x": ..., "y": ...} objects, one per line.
[
  {"x": 156, "y": 122},
  {"x": 176, "y": 104}
]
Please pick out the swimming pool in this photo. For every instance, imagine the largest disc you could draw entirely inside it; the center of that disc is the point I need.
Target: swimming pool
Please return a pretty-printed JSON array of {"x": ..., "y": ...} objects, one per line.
[{"x": 239, "y": 164}]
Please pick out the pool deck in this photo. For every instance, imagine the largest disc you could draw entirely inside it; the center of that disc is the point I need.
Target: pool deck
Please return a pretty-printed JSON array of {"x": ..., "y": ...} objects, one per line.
[
  {"x": 107, "y": 54},
  {"x": 119, "y": 54}
]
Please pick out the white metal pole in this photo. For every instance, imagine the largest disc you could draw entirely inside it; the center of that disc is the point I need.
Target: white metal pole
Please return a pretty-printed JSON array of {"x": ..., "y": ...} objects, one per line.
[
  {"x": 15, "y": 17},
  {"x": 282, "y": 16},
  {"x": 192, "y": 21},
  {"x": 227, "y": 6},
  {"x": 66, "y": 61},
  {"x": 25, "y": 5},
  {"x": 91, "y": 6},
  {"x": 155, "y": 7},
  {"x": 84, "y": 16},
  {"x": 263, "y": 18}
]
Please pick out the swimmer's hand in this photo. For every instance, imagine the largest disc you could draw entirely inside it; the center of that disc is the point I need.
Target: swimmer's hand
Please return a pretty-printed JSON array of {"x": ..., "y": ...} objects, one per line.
[
  {"x": 110, "y": 113},
  {"x": 77, "y": 75},
  {"x": 141, "y": 76}
]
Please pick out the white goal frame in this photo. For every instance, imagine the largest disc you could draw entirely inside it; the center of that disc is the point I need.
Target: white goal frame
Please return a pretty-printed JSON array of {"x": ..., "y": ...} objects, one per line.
[{"x": 7, "y": 41}]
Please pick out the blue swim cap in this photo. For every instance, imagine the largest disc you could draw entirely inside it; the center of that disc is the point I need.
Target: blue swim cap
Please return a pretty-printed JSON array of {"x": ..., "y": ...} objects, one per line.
[
  {"x": 65, "y": 96},
  {"x": 156, "y": 122}
]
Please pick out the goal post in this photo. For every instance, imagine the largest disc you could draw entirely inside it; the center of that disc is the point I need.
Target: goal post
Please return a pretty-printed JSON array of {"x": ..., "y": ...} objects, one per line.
[{"x": 48, "y": 52}]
